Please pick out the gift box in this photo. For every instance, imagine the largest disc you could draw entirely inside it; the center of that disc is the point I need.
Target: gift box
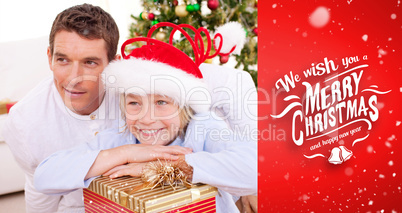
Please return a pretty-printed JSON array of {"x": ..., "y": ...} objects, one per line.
[
  {"x": 128, "y": 194},
  {"x": 9, "y": 105},
  {"x": 5, "y": 106}
]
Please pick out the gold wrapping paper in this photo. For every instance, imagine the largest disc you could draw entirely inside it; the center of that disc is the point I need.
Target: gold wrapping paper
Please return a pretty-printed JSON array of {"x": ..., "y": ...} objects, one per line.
[
  {"x": 131, "y": 193},
  {"x": 3, "y": 108}
]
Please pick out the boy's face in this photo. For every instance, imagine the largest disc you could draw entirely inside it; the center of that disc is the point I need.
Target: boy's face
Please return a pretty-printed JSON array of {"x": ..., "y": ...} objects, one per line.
[
  {"x": 77, "y": 63},
  {"x": 152, "y": 119}
]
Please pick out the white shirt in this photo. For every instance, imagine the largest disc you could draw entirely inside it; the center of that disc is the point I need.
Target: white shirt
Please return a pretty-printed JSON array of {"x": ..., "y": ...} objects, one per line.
[{"x": 40, "y": 124}]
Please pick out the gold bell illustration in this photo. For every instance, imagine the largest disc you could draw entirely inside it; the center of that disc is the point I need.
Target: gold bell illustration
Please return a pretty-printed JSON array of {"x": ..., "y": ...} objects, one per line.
[{"x": 336, "y": 157}]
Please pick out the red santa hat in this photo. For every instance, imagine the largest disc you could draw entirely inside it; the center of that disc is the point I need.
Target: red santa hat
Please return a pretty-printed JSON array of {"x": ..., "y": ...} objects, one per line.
[{"x": 160, "y": 68}]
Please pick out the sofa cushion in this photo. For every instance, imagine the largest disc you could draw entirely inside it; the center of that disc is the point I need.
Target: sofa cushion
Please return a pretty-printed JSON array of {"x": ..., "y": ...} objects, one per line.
[{"x": 23, "y": 64}]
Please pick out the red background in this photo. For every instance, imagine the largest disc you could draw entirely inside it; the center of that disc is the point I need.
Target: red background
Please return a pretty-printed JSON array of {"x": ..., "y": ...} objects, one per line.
[{"x": 289, "y": 182}]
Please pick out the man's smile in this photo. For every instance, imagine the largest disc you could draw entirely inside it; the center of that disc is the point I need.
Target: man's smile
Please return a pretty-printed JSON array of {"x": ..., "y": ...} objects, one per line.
[{"x": 73, "y": 93}]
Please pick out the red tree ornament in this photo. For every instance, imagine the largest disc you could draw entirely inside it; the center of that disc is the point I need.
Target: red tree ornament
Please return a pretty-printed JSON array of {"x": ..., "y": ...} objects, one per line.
[
  {"x": 255, "y": 31},
  {"x": 213, "y": 4},
  {"x": 224, "y": 59},
  {"x": 151, "y": 16}
]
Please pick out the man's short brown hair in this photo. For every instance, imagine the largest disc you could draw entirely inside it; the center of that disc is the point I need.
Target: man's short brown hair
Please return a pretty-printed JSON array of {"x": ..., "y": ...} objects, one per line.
[{"x": 90, "y": 22}]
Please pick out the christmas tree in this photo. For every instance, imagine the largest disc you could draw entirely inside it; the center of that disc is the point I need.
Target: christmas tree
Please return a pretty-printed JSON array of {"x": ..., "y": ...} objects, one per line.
[{"x": 209, "y": 14}]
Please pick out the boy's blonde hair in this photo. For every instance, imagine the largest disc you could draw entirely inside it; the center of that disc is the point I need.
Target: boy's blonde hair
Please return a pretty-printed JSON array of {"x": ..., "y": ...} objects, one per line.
[{"x": 185, "y": 115}]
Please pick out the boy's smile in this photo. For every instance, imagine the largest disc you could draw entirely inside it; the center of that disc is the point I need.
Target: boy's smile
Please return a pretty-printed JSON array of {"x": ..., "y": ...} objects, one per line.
[{"x": 149, "y": 132}]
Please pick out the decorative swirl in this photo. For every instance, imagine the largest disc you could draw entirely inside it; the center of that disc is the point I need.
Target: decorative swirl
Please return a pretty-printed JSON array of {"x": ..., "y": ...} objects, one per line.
[
  {"x": 290, "y": 97},
  {"x": 287, "y": 109},
  {"x": 376, "y": 91},
  {"x": 314, "y": 156},
  {"x": 360, "y": 139},
  {"x": 354, "y": 68}
]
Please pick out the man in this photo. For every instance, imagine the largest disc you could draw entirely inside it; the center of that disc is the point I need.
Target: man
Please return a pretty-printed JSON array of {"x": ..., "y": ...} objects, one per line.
[{"x": 72, "y": 107}]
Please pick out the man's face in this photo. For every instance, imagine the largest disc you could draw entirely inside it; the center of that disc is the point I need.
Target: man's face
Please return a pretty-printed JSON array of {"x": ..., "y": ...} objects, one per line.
[{"x": 77, "y": 63}]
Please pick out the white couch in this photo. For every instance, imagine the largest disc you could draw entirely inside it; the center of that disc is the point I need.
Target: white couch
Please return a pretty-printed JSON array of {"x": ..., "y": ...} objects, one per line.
[{"x": 23, "y": 64}]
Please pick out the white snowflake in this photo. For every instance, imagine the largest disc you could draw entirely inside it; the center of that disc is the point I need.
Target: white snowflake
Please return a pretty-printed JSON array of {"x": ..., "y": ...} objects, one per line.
[
  {"x": 320, "y": 17},
  {"x": 286, "y": 176},
  {"x": 381, "y": 52},
  {"x": 388, "y": 144},
  {"x": 370, "y": 149},
  {"x": 391, "y": 138},
  {"x": 364, "y": 37}
]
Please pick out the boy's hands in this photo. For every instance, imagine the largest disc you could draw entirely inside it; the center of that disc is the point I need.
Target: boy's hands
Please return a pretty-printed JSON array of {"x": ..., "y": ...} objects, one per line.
[
  {"x": 143, "y": 152},
  {"x": 121, "y": 157},
  {"x": 131, "y": 169},
  {"x": 135, "y": 169}
]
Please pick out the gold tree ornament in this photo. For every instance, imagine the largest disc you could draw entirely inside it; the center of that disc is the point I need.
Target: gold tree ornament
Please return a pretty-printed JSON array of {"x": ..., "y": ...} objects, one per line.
[
  {"x": 144, "y": 15},
  {"x": 181, "y": 10},
  {"x": 160, "y": 36}
]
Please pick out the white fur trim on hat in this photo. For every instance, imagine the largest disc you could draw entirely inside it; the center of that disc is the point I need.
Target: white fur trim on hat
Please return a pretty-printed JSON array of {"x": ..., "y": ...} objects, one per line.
[
  {"x": 141, "y": 77},
  {"x": 233, "y": 34}
]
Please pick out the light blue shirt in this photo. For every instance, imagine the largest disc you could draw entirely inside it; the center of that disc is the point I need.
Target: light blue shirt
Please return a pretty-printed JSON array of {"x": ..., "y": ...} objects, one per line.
[{"x": 220, "y": 158}]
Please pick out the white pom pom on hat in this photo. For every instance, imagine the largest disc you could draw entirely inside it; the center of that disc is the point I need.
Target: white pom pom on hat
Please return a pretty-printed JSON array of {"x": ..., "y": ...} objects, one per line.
[{"x": 233, "y": 35}]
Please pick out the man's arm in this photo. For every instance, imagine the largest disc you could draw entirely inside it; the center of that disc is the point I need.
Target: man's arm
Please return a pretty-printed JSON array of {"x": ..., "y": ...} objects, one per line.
[
  {"x": 248, "y": 204},
  {"x": 16, "y": 138},
  {"x": 227, "y": 161},
  {"x": 234, "y": 96},
  {"x": 37, "y": 202}
]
